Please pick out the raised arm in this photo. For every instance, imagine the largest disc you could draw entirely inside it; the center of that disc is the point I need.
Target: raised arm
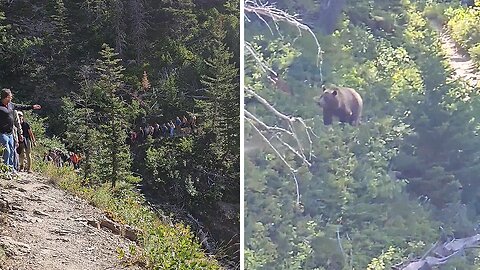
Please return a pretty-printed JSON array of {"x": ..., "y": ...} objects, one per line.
[{"x": 21, "y": 107}]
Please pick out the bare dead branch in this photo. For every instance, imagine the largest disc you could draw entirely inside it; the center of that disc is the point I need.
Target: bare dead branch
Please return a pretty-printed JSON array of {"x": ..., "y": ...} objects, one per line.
[
  {"x": 292, "y": 170},
  {"x": 268, "y": 10},
  {"x": 279, "y": 131},
  {"x": 288, "y": 131},
  {"x": 293, "y": 150},
  {"x": 263, "y": 64},
  {"x": 290, "y": 120},
  {"x": 265, "y": 126},
  {"x": 265, "y": 103}
]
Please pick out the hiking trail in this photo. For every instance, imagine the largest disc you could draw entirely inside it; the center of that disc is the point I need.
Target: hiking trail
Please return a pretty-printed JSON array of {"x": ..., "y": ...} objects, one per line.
[
  {"x": 44, "y": 227},
  {"x": 459, "y": 60}
]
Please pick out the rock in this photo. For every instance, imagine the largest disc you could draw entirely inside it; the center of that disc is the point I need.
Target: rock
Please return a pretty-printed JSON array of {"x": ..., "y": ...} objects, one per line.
[
  {"x": 40, "y": 213},
  {"x": 4, "y": 207},
  {"x": 13, "y": 247}
]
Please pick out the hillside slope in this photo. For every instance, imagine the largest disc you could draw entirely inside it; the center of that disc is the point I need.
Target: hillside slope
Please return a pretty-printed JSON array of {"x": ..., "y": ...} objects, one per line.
[{"x": 43, "y": 227}]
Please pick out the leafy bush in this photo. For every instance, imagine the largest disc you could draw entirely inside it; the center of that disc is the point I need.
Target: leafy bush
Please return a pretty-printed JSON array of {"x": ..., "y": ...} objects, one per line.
[{"x": 464, "y": 26}]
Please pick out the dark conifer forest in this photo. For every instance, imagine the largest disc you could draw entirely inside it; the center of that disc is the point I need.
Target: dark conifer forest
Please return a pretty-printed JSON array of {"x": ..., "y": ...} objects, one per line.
[
  {"x": 104, "y": 70},
  {"x": 401, "y": 190}
]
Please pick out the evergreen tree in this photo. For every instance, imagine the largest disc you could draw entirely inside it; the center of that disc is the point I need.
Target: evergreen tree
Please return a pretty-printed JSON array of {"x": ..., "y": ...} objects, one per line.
[
  {"x": 61, "y": 36},
  {"x": 80, "y": 117},
  {"x": 119, "y": 26},
  {"x": 114, "y": 116},
  {"x": 221, "y": 110},
  {"x": 139, "y": 27}
]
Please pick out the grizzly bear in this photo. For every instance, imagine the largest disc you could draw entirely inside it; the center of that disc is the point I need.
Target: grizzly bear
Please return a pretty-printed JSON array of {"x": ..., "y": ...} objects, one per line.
[{"x": 342, "y": 102}]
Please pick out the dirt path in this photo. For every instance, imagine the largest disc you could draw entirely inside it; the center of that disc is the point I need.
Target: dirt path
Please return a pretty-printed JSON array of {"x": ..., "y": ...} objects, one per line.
[
  {"x": 460, "y": 62},
  {"x": 44, "y": 227}
]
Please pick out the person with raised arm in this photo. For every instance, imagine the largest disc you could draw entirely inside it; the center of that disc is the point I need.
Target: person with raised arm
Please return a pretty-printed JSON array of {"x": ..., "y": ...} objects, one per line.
[{"x": 7, "y": 121}]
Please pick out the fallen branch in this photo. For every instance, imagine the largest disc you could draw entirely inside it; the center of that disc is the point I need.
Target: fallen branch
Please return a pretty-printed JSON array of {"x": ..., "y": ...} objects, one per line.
[{"x": 442, "y": 252}]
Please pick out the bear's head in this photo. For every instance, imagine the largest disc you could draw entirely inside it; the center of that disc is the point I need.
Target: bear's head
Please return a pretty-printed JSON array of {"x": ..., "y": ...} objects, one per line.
[{"x": 328, "y": 99}]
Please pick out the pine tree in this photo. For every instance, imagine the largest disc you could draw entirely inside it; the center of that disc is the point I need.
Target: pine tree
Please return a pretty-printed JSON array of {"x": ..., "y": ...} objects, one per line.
[
  {"x": 114, "y": 114},
  {"x": 139, "y": 27},
  {"x": 222, "y": 110},
  {"x": 80, "y": 120},
  {"x": 61, "y": 38},
  {"x": 119, "y": 26}
]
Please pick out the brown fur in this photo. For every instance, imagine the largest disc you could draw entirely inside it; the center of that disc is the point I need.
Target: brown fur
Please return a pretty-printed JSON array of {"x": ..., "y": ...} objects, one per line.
[{"x": 341, "y": 102}]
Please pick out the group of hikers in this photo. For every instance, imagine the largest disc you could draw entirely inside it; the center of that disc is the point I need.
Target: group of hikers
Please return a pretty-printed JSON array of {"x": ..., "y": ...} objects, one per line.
[
  {"x": 16, "y": 135},
  {"x": 18, "y": 139},
  {"x": 179, "y": 126},
  {"x": 61, "y": 159}
]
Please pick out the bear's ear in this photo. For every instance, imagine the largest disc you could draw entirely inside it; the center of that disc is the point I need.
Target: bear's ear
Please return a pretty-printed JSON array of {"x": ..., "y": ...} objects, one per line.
[
  {"x": 324, "y": 88},
  {"x": 334, "y": 92}
]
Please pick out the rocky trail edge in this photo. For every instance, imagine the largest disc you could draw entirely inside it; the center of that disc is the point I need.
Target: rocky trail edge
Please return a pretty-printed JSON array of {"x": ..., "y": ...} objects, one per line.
[{"x": 45, "y": 227}]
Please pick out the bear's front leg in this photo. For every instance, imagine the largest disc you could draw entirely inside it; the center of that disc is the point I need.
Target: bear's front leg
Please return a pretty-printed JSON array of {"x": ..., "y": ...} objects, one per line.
[{"x": 327, "y": 118}]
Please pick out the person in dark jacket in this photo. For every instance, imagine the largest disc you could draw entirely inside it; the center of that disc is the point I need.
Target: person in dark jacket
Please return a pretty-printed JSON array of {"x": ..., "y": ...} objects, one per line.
[
  {"x": 25, "y": 146},
  {"x": 7, "y": 118}
]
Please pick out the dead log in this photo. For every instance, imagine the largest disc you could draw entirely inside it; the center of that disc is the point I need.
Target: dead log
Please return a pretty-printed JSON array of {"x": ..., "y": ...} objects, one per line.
[{"x": 442, "y": 252}]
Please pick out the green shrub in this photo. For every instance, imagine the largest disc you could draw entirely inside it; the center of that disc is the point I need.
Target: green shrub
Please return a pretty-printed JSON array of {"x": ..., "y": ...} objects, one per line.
[
  {"x": 435, "y": 12},
  {"x": 475, "y": 54}
]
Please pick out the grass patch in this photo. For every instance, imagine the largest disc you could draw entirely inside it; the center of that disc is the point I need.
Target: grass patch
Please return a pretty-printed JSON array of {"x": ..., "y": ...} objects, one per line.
[{"x": 164, "y": 245}]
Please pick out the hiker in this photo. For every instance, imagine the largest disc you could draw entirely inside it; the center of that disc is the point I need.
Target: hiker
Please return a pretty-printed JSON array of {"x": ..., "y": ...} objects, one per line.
[
  {"x": 64, "y": 158},
  {"x": 184, "y": 124},
  {"x": 193, "y": 123},
  {"x": 171, "y": 127},
  {"x": 47, "y": 157},
  {"x": 75, "y": 158},
  {"x": 140, "y": 134},
  {"x": 25, "y": 146},
  {"x": 164, "y": 130},
  {"x": 146, "y": 131},
  {"x": 156, "y": 130},
  {"x": 68, "y": 162},
  {"x": 7, "y": 119},
  {"x": 55, "y": 157},
  {"x": 151, "y": 130},
  {"x": 178, "y": 122},
  {"x": 17, "y": 136},
  {"x": 133, "y": 136}
]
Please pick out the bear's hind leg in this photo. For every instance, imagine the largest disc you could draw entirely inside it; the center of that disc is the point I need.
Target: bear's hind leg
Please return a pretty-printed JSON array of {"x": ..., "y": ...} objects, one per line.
[{"x": 354, "y": 120}]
